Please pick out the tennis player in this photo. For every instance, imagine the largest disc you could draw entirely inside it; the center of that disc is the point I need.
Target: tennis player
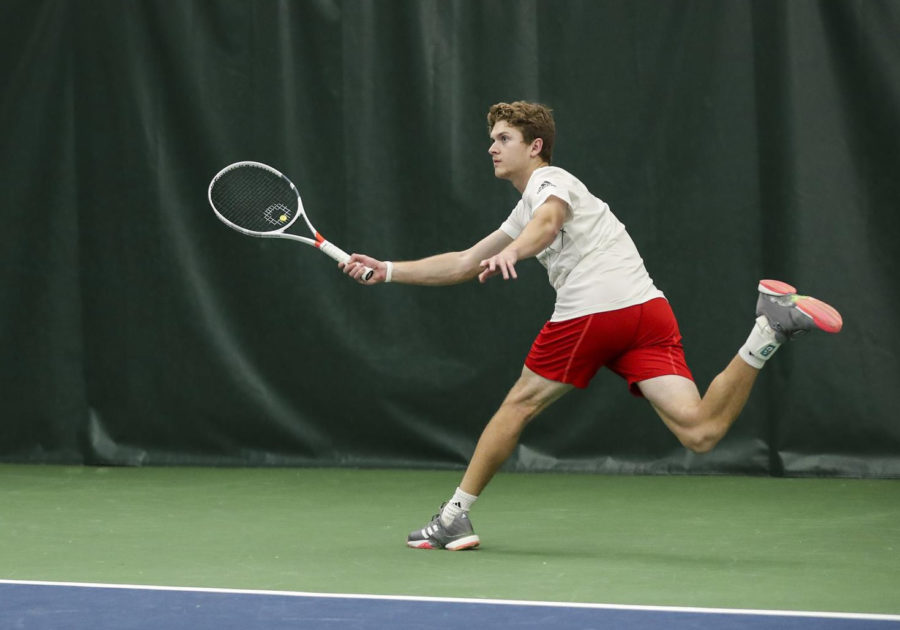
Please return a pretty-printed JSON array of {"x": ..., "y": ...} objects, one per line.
[{"x": 608, "y": 313}]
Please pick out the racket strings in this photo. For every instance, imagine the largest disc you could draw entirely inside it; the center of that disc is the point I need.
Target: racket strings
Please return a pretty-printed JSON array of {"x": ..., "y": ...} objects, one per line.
[{"x": 254, "y": 199}]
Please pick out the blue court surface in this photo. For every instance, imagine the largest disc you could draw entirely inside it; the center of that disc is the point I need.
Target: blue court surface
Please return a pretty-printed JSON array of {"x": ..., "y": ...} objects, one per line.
[{"x": 57, "y": 606}]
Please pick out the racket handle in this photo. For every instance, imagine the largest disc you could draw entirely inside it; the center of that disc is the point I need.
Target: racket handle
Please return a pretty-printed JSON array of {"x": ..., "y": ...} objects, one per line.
[{"x": 341, "y": 256}]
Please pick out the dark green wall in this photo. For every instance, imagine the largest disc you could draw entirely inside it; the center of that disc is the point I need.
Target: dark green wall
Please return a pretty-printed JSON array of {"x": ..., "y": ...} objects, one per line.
[{"x": 736, "y": 140}]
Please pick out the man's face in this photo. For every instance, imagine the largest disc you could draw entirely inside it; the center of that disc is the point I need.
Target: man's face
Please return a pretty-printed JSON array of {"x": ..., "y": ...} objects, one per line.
[{"x": 509, "y": 152}]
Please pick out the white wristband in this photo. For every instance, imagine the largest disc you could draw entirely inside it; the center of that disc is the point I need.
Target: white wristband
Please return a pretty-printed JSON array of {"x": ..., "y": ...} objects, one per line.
[{"x": 389, "y": 271}]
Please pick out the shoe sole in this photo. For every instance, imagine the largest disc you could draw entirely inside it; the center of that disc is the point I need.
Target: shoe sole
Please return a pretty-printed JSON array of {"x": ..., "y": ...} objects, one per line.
[
  {"x": 824, "y": 316},
  {"x": 775, "y": 287},
  {"x": 469, "y": 542}
]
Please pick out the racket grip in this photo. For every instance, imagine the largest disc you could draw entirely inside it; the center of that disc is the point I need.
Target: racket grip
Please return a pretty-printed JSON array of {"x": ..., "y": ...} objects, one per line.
[{"x": 341, "y": 256}]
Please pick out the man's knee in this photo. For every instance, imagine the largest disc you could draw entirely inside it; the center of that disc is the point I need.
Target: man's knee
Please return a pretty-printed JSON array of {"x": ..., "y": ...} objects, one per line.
[
  {"x": 532, "y": 394},
  {"x": 701, "y": 438},
  {"x": 522, "y": 407}
]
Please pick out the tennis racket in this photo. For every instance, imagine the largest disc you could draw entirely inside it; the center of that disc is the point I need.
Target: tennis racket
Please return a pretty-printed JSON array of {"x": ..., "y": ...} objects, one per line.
[{"x": 257, "y": 200}]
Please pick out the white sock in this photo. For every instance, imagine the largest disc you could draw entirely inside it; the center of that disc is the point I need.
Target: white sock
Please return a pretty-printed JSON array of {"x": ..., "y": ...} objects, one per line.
[
  {"x": 460, "y": 502},
  {"x": 760, "y": 345}
]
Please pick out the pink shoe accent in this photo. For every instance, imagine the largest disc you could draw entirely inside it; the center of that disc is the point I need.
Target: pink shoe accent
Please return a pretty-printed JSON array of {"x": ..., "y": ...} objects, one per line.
[
  {"x": 775, "y": 287},
  {"x": 825, "y": 316},
  {"x": 422, "y": 545}
]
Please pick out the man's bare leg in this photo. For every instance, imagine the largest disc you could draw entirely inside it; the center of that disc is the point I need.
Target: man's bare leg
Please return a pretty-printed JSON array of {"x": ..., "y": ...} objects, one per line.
[
  {"x": 528, "y": 397},
  {"x": 451, "y": 528},
  {"x": 699, "y": 423}
]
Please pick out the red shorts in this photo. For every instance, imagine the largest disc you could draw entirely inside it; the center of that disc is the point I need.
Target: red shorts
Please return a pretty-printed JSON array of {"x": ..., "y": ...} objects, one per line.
[{"x": 637, "y": 343}]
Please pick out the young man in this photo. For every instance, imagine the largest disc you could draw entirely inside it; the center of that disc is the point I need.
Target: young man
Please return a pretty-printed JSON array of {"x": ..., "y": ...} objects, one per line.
[{"x": 608, "y": 313}]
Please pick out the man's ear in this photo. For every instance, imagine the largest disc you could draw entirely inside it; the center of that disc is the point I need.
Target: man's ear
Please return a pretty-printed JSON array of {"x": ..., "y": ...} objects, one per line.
[{"x": 536, "y": 147}]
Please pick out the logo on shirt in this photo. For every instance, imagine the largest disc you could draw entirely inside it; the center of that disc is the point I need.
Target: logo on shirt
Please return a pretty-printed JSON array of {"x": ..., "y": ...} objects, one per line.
[{"x": 543, "y": 186}]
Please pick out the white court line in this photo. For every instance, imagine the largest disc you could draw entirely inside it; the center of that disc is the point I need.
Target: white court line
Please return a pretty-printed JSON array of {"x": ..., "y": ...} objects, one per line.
[{"x": 466, "y": 600}]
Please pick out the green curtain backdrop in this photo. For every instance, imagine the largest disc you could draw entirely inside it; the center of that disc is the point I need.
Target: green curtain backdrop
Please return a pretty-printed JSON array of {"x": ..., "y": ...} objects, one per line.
[{"x": 736, "y": 140}]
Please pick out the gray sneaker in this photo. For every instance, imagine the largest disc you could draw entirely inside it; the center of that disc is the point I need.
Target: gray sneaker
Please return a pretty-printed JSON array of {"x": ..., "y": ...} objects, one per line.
[
  {"x": 457, "y": 536},
  {"x": 790, "y": 314}
]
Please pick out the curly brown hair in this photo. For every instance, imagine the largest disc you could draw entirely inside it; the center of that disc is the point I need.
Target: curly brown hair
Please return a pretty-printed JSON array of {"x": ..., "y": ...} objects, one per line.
[{"x": 532, "y": 119}]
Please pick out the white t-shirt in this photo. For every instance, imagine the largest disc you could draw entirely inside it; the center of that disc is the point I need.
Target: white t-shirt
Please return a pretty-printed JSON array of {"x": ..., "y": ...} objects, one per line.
[{"x": 593, "y": 264}]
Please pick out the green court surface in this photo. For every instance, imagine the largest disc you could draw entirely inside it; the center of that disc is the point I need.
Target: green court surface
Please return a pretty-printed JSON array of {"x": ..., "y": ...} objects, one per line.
[{"x": 733, "y": 542}]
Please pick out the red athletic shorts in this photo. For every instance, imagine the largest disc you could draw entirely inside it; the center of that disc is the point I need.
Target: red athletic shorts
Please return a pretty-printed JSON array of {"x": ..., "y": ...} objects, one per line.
[{"x": 637, "y": 343}]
